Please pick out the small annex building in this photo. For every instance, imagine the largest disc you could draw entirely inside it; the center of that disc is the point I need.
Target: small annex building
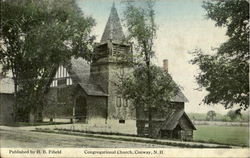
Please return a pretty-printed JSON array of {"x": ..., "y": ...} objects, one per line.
[{"x": 85, "y": 94}]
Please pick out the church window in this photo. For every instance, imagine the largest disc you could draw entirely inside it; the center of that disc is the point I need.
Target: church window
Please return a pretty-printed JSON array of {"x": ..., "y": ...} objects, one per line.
[
  {"x": 122, "y": 71},
  {"x": 125, "y": 103},
  {"x": 118, "y": 101},
  {"x": 122, "y": 121}
]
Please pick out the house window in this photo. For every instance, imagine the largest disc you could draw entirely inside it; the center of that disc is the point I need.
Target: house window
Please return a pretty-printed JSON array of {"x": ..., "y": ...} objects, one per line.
[
  {"x": 62, "y": 81},
  {"x": 122, "y": 121},
  {"x": 61, "y": 77},
  {"x": 54, "y": 83},
  {"x": 69, "y": 81},
  {"x": 147, "y": 125}
]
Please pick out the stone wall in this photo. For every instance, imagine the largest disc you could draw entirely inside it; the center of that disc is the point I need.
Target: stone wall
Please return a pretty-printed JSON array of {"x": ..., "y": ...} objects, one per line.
[
  {"x": 105, "y": 71},
  {"x": 119, "y": 108},
  {"x": 97, "y": 109}
]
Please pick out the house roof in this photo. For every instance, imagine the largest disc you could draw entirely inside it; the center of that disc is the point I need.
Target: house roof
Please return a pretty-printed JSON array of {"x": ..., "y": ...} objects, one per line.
[
  {"x": 113, "y": 30},
  {"x": 80, "y": 70},
  {"x": 173, "y": 118}
]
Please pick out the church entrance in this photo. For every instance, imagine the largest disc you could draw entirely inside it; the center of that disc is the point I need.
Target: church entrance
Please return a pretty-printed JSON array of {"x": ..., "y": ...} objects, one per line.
[{"x": 81, "y": 109}]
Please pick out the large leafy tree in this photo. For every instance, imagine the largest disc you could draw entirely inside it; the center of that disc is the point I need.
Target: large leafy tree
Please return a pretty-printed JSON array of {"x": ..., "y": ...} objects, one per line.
[
  {"x": 211, "y": 115},
  {"x": 37, "y": 36},
  {"x": 134, "y": 87},
  {"x": 233, "y": 115},
  {"x": 225, "y": 75},
  {"x": 149, "y": 85}
]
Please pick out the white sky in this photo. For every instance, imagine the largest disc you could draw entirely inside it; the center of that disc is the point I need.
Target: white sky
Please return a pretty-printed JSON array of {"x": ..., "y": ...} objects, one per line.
[{"x": 182, "y": 27}]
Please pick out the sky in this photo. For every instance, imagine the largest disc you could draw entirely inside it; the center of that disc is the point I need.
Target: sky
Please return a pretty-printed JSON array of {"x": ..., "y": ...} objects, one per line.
[{"x": 182, "y": 27}]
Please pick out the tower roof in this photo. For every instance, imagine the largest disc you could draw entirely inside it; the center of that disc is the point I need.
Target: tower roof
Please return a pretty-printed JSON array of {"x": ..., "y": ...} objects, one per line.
[{"x": 113, "y": 30}]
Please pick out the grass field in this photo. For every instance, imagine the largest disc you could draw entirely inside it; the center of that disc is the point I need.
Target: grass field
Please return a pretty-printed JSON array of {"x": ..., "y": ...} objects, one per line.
[{"x": 233, "y": 135}]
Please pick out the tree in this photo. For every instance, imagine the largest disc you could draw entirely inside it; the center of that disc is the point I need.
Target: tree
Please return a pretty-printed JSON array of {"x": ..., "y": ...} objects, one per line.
[
  {"x": 211, "y": 115},
  {"x": 225, "y": 74},
  {"x": 148, "y": 86},
  {"x": 36, "y": 37},
  {"x": 134, "y": 87},
  {"x": 233, "y": 114}
]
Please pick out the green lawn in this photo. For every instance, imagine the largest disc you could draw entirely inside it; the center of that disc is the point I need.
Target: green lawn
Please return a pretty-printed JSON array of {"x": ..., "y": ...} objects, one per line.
[{"x": 233, "y": 135}]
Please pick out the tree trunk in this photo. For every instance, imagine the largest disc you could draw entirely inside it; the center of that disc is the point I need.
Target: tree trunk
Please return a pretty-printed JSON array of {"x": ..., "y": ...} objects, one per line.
[
  {"x": 147, "y": 58},
  {"x": 15, "y": 117}
]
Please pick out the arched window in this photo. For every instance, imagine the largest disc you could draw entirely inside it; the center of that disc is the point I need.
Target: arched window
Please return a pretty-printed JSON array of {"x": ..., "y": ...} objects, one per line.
[{"x": 118, "y": 101}]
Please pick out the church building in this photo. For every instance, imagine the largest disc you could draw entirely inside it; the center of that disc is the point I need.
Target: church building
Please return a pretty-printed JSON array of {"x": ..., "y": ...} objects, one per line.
[{"x": 85, "y": 94}]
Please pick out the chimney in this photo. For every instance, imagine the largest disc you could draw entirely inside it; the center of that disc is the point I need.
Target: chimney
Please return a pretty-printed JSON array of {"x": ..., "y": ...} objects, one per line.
[{"x": 165, "y": 65}]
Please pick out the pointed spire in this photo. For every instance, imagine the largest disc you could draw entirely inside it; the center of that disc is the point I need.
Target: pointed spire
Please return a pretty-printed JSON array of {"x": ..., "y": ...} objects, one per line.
[{"x": 113, "y": 30}]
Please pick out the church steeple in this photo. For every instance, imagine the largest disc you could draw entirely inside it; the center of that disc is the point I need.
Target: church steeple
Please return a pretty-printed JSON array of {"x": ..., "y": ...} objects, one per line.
[{"x": 113, "y": 30}]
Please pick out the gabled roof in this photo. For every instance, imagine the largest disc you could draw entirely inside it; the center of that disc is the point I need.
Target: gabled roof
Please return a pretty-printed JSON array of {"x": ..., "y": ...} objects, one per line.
[
  {"x": 173, "y": 118},
  {"x": 92, "y": 89},
  {"x": 80, "y": 71},
  {"x": 180, "y": 97},
  {"x": 113, "y": 30}
]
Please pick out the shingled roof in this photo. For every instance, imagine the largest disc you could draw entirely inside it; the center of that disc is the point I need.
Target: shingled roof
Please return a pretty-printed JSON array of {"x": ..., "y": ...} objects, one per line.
[
  {"x": 80, "y": 70},
  {"x": 180, "y": 97},
  {"x": 173, "y": 118},
  {"x": 113, "y": 30}
]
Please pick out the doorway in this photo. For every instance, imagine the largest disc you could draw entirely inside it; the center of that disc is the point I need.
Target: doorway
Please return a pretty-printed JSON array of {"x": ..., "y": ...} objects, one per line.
[
  {"x": 177, "y": 132},
  {"x": 81, "y": 109}
]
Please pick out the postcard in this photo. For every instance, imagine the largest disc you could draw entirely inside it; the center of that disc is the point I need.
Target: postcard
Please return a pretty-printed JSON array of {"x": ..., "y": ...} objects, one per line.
[{"x": 124, "y": 78}]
